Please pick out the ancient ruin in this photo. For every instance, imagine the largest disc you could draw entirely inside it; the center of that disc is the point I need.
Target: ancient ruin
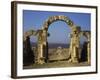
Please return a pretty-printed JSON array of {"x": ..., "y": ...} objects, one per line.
[{"x": 41, "y": 55}]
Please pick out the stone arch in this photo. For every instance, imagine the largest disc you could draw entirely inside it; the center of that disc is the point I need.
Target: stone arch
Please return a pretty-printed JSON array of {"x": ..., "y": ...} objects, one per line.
[
  {"x": 38, "y": 34},
  {"x": 87, "y": 34},
  {"x": 29, "y": 33},
  {"x": 46, "y": 25},
  {"x": 28, "y": 54},
  {"x": 52, "y": 19}
]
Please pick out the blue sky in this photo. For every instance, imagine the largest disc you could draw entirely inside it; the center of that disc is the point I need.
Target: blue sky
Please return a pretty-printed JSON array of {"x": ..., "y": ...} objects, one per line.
[{"x": 59, "y": 30}]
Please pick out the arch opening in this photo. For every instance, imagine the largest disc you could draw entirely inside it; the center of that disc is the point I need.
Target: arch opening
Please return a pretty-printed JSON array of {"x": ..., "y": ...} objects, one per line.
[
  {"x": 29, "y": 47},
  {"x": 58, "y": 41},
  {"x": 86, "y": 49},
  {"x": 28, "y": 51},
  {"x": 83, "y": 49}
]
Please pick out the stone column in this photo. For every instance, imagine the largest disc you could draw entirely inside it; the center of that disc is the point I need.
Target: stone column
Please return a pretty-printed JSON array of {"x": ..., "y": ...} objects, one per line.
[
  {"x": 40, "y": 52},
  {"x": 45, "y": 44},
  {"x": 88, "y": 52},
  {"x": 75, "y": 44},
  {"x": 40, "y": 58},
  {"x": 75, "y": 54},
  {"x": 71, "y": 48}
]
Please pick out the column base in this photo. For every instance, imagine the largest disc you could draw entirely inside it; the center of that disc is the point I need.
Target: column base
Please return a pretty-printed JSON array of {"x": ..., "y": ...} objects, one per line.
[
  {"x": 40, "y": 60},
  {"x": 75, "y": 60}
]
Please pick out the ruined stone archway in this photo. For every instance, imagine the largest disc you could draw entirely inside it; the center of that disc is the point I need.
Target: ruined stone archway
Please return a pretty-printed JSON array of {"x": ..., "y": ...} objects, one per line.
[
  {"x": 45, "y": 27},
  {"x": 28, "y": 54},
  {"x": 42, "y": 34},
  {"x": 38, "y": 34},
  {"x": 52, "y": 19},
  {"x": 87, "y": 34}
]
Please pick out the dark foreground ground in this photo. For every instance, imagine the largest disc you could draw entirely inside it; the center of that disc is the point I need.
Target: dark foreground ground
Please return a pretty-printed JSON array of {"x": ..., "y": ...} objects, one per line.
[{"x": 56, "y": 64}]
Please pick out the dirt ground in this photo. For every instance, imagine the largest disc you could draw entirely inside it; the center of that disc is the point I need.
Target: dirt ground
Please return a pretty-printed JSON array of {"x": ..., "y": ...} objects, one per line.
[{"x": 56, "y": 64}]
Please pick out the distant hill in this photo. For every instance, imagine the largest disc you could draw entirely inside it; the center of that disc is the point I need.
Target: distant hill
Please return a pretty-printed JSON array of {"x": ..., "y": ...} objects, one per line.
[{"x": 53, "y": 45}]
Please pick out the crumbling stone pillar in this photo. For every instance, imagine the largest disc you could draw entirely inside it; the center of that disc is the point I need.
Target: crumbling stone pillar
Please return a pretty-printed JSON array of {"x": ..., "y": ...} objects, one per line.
[
  {"x": 40, "y": 52},
  {"x": 75, "y": 44},
  {"x": 40, "y": 58},
  {"x": 45, "y": 44},
  {"x": 87, "y": 34},
  {"x": 89, "y": 48}
]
